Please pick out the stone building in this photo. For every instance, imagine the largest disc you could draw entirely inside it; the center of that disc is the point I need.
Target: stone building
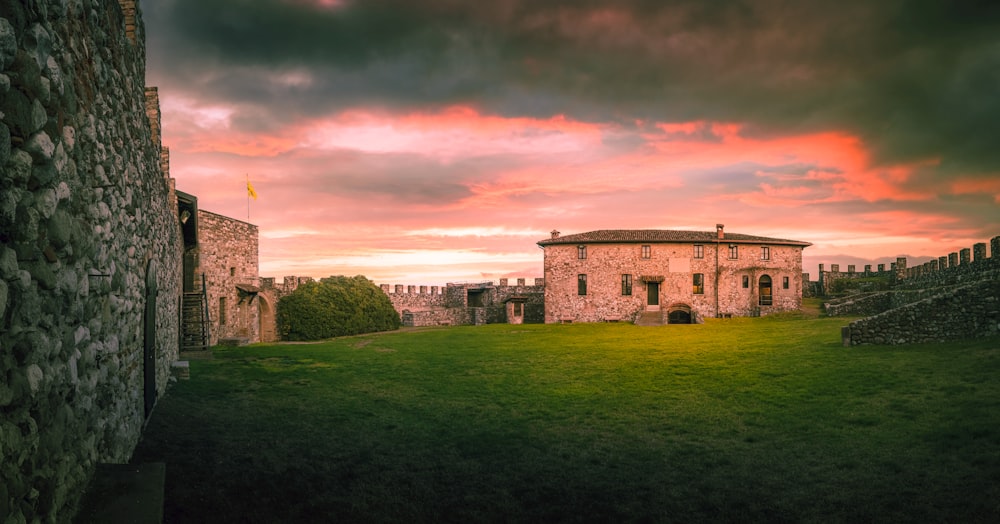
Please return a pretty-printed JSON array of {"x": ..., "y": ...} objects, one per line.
[
  {"x": 664, "y": 276},
  {"x": 90, "y": 265},
  {"x": 221, "y": 282}
]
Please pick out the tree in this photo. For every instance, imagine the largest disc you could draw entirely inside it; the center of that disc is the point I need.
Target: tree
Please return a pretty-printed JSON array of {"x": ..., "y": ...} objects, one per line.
[{"x": 335, "y": 306}]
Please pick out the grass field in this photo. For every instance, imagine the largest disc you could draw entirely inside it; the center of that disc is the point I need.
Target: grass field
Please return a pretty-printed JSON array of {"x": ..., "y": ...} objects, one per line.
[{"x": 735, "y": 420}]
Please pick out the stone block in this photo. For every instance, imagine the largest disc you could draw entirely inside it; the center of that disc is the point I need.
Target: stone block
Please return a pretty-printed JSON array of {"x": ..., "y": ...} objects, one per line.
[{"x": 181, "y": 370}]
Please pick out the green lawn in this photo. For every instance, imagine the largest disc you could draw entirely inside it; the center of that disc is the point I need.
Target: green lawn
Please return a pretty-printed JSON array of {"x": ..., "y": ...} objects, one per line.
[{"x": 735, "y": 420}]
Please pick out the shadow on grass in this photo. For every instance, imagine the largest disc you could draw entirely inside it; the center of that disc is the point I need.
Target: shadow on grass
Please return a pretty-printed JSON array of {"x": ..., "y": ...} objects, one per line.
[{"x": 765, "y": 420}]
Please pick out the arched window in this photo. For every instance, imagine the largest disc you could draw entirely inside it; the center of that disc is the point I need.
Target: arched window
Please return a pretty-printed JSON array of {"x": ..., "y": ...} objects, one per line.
[{"x": 765, "y": 290}]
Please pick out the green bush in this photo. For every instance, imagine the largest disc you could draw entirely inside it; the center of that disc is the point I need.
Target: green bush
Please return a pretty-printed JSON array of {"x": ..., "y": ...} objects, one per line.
[{"x": 335, "y": 306}]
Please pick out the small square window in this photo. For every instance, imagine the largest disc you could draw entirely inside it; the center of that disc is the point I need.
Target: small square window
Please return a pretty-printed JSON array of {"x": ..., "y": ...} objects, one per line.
[
  {"x": 232, "y": 271},
  {"x": 699, "y": 251},
  {"x": 646, "y": 251}
]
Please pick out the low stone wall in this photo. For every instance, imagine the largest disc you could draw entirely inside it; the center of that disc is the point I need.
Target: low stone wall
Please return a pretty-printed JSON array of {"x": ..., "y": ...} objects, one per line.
[
  {"x": 431, "y": 317},
  {"x": 861, "y": 304},
  {"x": 968, "y": 311},
  {"x": 868, "y": 304}
]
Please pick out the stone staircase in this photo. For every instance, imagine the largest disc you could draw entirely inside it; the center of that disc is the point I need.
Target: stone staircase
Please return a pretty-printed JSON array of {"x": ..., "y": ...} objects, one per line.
[
  {"x": 194, "y": 322},
  {"x": 650, "y": 318}
]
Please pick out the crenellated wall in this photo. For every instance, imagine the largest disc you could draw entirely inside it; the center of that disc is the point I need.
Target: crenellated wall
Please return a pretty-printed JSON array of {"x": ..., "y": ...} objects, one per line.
[
  {"x": 964, "y": 264},
  {"x": 468, "y": 303},
  {"x": 951, "y": 297},
  {"x": 90, "y": 260}
]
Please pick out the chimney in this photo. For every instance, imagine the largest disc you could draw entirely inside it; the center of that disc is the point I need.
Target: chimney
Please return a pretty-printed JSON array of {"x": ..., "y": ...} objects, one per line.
[
  {"x": 719, "y": 229},
  {"x": 555, "y": 234}
]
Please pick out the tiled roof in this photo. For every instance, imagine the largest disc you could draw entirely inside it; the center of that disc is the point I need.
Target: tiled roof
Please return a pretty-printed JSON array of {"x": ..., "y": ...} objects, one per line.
[{"x": 652, "y": 236}]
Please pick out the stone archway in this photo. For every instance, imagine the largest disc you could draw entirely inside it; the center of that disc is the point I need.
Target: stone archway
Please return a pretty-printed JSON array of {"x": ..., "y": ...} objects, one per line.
[
  {"x": 680, "y": 314},
  {"x": 764, "y": 291},
  {"x": 266, "y": 318}
]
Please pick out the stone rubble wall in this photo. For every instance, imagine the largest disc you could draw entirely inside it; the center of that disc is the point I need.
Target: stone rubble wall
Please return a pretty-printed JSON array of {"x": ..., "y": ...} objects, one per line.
[
  {"x": 860, "y": 304},
  {"x": 971, "y": 310},
  {"x": 868, "y": 304},
  {"x": 952, "y": 297},
  {"x": 85, "y": 216}
]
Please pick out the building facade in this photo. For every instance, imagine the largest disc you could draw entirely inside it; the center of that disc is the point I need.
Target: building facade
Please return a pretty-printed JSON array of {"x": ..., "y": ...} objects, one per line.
[
  {"x": 675, "y": 276},
  {"x": 223, "y": 302}
]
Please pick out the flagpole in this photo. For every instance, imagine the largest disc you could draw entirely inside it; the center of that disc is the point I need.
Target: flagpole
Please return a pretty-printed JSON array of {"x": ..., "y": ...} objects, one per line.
[{"x": 248, "y": 197}]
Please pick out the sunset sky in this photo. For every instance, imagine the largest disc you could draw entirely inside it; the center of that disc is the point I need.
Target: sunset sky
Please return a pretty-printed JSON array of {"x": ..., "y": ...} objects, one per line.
[{"x": 426, "y": 142}]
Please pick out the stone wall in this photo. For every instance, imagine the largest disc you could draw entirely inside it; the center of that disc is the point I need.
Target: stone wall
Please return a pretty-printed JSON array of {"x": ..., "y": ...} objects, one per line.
[
  {"x": 90, "y": 246},
  {"x": 467, "y": 303},
  {"x": 228, "y": 256},
  {"x": 964, "y": 265},
  {"x": 834, "y": 280},
  {"x": 971, "y": 310},
  {"x": 951, "y": 297},
  {"x": 271, "y": 293}
]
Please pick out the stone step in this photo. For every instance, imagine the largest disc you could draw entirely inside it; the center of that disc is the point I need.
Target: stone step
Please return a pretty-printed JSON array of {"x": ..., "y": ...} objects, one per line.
[{"x": 649, "y": 318}]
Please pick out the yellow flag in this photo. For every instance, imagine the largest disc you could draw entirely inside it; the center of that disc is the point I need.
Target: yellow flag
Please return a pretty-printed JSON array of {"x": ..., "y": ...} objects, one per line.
[{"x": 250, "y": 191}]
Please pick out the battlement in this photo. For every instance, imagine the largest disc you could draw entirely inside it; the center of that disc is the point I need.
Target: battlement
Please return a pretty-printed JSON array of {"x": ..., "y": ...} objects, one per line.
[
  {"x": 288, "y": 285},
  {"x": 962, "y": 264},
  {"x": 400, "y": 289}
]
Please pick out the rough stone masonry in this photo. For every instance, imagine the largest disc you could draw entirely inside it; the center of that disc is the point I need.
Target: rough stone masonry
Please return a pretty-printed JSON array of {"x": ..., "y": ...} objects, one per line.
[{"x": 90, "y": 256}]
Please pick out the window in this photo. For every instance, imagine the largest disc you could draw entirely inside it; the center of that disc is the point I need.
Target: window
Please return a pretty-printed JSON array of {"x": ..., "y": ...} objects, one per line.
[
  {"x": 784, "y": 282},
  {"x": 646, "y": 251},
  {"x": 581, "y": 284},
  {"x": 746, "y": 282},
  {"x": 699, "y": 284},
  {"x": 222, "y": 311},
  {"x": 699, "y": 251},
  {"x": 765, "y": 290},
  {"x": 734, "y": 251},
  {"x": 232, "y": 271},
  {"x": 765, "y": 253},
  {"x": 626, "y": 285},
  {"x": 581, "y": 252}
]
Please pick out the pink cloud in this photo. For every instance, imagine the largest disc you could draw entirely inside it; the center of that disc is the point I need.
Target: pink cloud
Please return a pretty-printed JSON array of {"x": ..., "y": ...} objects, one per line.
[{"x": 335, "y": 196}]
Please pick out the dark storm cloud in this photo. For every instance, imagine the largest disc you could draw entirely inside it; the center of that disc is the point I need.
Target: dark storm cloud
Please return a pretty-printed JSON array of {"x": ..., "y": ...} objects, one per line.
[{"x": 915, "y": 79}]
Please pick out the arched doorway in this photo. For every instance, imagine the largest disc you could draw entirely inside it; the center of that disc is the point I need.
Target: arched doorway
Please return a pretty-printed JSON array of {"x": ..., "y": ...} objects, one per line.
[
  {"x": 149, "y": 340},
  {"x": 764, "y": 288},
  {"x": 679, "y": 314},
  {"x": 265, "y": 317}
]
